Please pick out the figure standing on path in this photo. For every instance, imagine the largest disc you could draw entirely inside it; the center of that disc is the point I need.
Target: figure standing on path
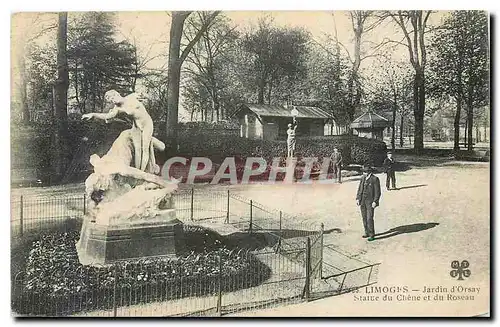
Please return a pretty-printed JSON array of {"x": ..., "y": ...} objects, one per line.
[
  {"x": 336, "y": 159},
  {"x": 367, "y": 198},
  {"x": 290, "y": 141},
  {"x": 389, "y": 171}
]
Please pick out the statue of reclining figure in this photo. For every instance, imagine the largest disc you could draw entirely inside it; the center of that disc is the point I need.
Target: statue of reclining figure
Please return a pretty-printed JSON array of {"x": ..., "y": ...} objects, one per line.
[{"x": 113, "y": 175}]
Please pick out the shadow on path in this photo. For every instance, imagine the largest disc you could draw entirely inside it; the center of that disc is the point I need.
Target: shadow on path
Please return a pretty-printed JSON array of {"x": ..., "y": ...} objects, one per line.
[
  {"x": 410, "y": 186},
  {"x": 405, "y": 229}
]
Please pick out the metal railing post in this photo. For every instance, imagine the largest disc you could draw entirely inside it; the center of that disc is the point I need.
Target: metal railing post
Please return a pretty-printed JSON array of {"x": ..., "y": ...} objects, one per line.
[
  {"x": 307, "y": 287},
  {"x": 321, "y": 251},
  {"x": 251, "y": 217},
  {"x": 280, "y": 233},
  {"x": 21, "y": 215},
  {"x": 84, "y": 204},
  {"x": 227, "y": 212},
  {"x": 114, "y": 292},
  {"x": 192, "y": 203},
  {"x": 219, "y": 291},
  {"x": 342, "y": 284}
]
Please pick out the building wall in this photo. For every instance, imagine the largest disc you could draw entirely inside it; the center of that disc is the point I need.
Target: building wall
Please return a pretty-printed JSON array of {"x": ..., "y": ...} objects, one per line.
[
  {"x": 333, "y": 128},
  {"x": 270, "y": 130},
  {"x": 317, "y": 128},
  {"x": 250, "y": 126},
  {"x": 377, "y": 134}
]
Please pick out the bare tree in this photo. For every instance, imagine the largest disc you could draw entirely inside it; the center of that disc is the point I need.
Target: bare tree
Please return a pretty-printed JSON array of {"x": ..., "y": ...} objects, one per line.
[
  {"x": 37, "y": 25},
  {"x": 175, "y": 61},
  {"x": 362, "y": 22},
  {"x": 206, "y": 57},
  {"x": 392, "y": 84},
  {"x": 415, "y": 43}
]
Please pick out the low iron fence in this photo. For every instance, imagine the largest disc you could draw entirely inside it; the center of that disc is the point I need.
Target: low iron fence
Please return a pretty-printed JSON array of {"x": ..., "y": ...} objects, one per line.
[{"x": 264, "y": 258}]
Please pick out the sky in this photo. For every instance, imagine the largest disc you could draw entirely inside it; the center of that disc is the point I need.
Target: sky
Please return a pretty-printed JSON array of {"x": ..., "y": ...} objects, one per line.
[{"x": 149, "y": 31}]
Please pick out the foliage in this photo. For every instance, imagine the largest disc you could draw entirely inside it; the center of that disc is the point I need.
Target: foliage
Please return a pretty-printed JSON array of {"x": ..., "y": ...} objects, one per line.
[
  {"x": 207, "y": 85},
  {"x": 41, "y": 75},
  {"x": 326, "y": 83},
  {"x": 273, "y": 58},
  {"x": 460, "y": 56},
  {"x": 414, "y": 25},
  {"x": 97, "y": 61}
]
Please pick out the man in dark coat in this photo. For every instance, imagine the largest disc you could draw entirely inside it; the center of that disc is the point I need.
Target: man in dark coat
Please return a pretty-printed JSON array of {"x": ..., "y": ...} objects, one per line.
[
  {"x": 389, "y": 171},
  {"x": 367, "y": 198}
]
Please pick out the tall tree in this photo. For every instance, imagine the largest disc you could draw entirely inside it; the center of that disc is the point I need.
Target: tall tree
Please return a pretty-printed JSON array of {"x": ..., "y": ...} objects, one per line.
[
  {"x": 97, "y": 61},
  {"x": 326, "y": 84},
  {"x": 26, "y": 29},
  {"x": 41, "y": 72},
  {"x": 175, "y": 60},
  {"x": 363, "y": 22},
  {"x": 413, "y": 24},
  {"x": 207, "y": 63},
  {"x": 459, "y": 66},
  {"x": 62, "y": 82},
  {"x": 276, "y": 56},
  {"x": 61, "y": 98},
  {"x": 391, "y": 85}
]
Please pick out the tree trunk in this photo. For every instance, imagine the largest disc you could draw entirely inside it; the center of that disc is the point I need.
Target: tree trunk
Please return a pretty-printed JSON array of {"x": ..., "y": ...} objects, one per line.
[
  {"x": 354, "y": 94},
  {"x": 61, "y": 99},
  {"x": 401, "y": 142},
  {"x": 62, "y": 82},
  {"x": 478, "y": 135},
  {"x": 174, "y": 79},
  {"x": 25, "y": 112},
  {"x": 485, "y": 137},
  {"x": 260, "y": 95},
  {"x": 456, "y": 125},
  {"x": 217, "y": 107},
  {"x": 470, "y": 125},
  {"x": 269, "y": 93},
  {"x": 419, "y": 98},
  {"x": 393, "y": 127},
  {"x": 212, "y": 113},
  {"x": 465, "y": 132}
]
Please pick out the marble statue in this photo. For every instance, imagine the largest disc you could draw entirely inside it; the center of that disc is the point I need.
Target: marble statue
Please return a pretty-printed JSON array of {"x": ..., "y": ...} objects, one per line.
[
  {"x": 141, "y": 133},
  {"x": 124, "y": 186}
]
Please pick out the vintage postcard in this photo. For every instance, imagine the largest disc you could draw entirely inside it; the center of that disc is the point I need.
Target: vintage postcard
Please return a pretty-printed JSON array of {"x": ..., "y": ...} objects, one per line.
[{"x": 250, "y": 163}]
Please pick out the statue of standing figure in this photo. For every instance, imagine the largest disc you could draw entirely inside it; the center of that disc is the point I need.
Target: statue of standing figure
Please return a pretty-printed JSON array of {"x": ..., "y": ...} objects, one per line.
[
  {"x": 290, "y": 141},
  {"x": 141, "y": 133}
]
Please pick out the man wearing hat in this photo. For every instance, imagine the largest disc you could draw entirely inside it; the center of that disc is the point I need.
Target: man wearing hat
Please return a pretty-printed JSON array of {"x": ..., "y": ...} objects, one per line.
[
  {"x": 367, "y": 198},
  {"x": 389, "y": 171}
]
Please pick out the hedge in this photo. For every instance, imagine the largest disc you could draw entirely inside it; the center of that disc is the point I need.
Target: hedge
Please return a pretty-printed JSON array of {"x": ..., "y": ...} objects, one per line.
[
  {"x": 31, "y": 146},
  {"x": 355, "y": 150}
]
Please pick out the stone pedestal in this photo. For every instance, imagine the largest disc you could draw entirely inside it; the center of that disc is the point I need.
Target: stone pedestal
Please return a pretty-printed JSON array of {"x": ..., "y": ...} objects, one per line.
[{"x": 104, "y": 244}]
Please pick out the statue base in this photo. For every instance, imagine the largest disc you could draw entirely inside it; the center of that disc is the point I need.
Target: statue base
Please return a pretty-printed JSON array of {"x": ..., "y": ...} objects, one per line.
[{"x": 105, "y": 244}]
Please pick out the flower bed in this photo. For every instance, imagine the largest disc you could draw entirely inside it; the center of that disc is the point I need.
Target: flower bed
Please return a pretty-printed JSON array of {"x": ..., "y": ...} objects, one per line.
[{"x": 53, "y": 281}]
